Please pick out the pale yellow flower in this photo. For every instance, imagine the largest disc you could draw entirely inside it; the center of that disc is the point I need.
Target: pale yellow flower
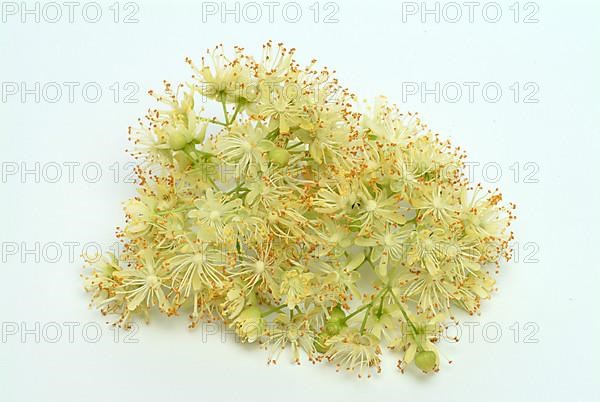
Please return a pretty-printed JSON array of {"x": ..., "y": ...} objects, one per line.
[
  {"x": 296, "y": 286},
  {"x": 271, "y": 199}
]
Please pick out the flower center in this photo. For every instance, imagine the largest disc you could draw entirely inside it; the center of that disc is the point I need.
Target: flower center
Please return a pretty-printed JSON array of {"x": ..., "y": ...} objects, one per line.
[
  {"x": 259, "y": 267},
  {"x": 388, "y": 240},
  {"x": 371, "y": 205},
  {"x": 246, "y": 146},
  {"x": 452, "y": 251},
  {"x": 198, "y": 259},
  {"x": 152, "y": 281},
  {"x": 292, "y": 334}
]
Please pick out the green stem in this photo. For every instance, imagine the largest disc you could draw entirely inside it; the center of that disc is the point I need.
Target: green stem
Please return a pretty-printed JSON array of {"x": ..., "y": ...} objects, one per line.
[
  {"x": 368, "y": 259},
  {"x": 364, "y": 321},
  {"x": 295, "y": 145},
  {"x": 236, "y": 189},
  {"x": 380, "y": 310},
  {"x": 361, "y": 308},
  {"x": 365, "y": 306},
  {"x": 408, "y": 321},
  {"x": 225, "y": 114},
  {"x": 273, "y": 310},
  {"x": 235, "y": 112},
  {"x": 213, "y": 121},
  {"x": 206, "y": 154},
  {"x": 272, "y": 135},
  {"x": 180, "y": 209}
]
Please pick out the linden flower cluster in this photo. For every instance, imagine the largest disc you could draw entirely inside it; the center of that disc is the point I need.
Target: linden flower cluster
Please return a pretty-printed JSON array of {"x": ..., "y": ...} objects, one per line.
[{"x": 300, "y": 217}]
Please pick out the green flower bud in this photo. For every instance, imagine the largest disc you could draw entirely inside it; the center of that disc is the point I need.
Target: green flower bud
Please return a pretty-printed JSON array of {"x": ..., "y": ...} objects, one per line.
[
  {"x": 334, "y": 327},
  {"x": 336, "y": 321},
  {"x": 320, "y": 340},
  {"x": 280, "y": 156},
  {"x": 426, "y": 360},
  {"x": 337, "y": 314},
  {"x": 249, "y": 324},
  {"x": 177, "y": 140}
]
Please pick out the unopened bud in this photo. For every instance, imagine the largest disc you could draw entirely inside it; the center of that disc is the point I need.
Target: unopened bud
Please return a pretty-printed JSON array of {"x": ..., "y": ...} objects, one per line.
[
  {"x": 426, "y": 360},
  {"x": 280, "y": 156},
  {"x": 177, "y": 140}
]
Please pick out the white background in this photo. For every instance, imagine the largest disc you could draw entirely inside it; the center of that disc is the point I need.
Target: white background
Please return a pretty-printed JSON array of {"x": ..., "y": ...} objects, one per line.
[{"x": 554, "y": 283}]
